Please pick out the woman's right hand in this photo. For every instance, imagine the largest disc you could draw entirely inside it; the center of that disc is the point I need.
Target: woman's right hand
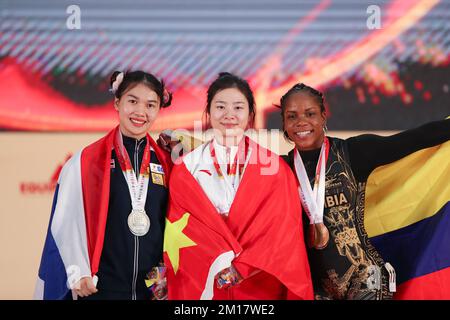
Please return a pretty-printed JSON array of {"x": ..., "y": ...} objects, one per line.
[{"x": 85, "y": 287}]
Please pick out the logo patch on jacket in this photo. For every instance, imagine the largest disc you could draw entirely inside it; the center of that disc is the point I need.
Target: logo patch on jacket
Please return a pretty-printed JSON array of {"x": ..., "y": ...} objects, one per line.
[
  {"x": 158, "y": 178},
  {"x": 156, "y": 168}
]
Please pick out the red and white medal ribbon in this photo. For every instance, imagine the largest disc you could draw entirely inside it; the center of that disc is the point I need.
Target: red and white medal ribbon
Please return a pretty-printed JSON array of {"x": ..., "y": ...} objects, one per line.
[
  {"x": 227, "y": 179},
  {"x": 312, "y": 199},
  {"x": 232, "y": 168},
  {"x": 138, "y": 221}
]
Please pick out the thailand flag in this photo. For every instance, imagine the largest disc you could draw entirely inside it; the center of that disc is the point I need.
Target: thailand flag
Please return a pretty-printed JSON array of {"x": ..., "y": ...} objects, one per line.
[
  {"x": 65, "y": 259},
  {"x": 76, "y": 231}
]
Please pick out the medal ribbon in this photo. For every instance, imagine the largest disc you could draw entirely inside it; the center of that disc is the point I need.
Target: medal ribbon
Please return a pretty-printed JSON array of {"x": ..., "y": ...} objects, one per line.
[
  {"x": 232, "y": 168},
  {"x": 313, "y": 199},
  {"x": 137, "y": 187}
]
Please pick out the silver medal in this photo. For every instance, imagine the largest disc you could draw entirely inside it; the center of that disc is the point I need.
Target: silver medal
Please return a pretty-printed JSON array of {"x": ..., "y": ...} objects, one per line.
[{"x": 138, "y": 222}]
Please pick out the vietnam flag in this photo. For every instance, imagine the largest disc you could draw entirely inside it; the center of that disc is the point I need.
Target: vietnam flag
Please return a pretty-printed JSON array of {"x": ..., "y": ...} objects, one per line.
[
  {"x": 263, "y": 231},
  {"x": 408, "y": 220}
]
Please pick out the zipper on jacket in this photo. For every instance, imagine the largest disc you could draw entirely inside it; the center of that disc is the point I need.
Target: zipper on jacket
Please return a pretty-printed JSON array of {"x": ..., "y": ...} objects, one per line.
[
  {"x": 136, "y": 238},
  {"x": 135, "y": 267}
]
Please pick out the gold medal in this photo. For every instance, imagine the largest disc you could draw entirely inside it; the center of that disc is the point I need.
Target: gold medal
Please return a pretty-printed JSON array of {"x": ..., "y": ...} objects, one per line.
[{"x": 138, "y": 222}]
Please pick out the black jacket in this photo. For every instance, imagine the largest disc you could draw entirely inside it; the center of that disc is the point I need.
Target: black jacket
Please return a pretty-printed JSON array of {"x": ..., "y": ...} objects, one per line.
[{"x": 126, "y": 259}]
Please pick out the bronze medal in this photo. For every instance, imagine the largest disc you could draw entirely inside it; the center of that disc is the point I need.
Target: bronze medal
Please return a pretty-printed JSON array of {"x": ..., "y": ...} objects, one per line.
[
  {"x": 312, "y": 235},
  {"x": 322, "y": 236}
]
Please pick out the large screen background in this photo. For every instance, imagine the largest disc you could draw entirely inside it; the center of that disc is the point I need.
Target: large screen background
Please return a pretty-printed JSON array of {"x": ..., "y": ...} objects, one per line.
[{"x": 389, "y": 76}]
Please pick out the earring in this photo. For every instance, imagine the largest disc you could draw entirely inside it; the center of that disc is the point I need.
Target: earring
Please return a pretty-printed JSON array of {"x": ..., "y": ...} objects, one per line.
[{"x": 325, "y": 129}]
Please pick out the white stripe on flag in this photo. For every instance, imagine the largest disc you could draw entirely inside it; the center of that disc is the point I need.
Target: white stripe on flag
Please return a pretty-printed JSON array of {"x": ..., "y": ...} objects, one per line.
[
  {"x": 69, "y": 226},
  {"x": 223, "y": 261},
  {"x": 39, "y": 290}
]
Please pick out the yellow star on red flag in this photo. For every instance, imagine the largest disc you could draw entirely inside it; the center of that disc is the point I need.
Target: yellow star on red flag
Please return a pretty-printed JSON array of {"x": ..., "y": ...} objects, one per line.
[{"x": 175, "y": 239}]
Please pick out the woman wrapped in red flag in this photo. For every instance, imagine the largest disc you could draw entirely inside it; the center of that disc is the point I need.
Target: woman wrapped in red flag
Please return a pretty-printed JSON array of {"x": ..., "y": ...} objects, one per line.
[
  {"x": 109, "y": 208},
  {"x": 234, "y": 227}
]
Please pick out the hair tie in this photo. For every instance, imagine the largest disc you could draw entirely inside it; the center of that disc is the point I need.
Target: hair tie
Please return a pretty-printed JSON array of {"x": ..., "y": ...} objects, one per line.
[
  {"x": 166, "y": 96},
  {"x": 115, "y": 85}
]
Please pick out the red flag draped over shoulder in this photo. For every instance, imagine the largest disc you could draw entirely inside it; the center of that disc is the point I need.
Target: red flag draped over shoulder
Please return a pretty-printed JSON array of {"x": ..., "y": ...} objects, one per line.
[
  {"x": 95, "y": 175},
  {"x": 77, "y": 225},
  {"x": 263, "y": 231}
]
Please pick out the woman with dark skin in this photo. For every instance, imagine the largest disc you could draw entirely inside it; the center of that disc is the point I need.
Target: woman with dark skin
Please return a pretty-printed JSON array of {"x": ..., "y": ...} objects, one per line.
[{"x": 342, "y": 259}]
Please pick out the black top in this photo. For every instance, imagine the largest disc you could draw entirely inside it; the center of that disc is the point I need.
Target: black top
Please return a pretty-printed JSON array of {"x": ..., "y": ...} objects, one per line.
[{"x": 126, "y": 259}]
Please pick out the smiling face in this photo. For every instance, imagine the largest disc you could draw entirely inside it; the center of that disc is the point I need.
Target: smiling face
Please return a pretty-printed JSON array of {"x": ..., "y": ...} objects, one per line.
[
  {"x": 138, "y": 108},
  {"x": 230, "y": 114},
  {"x": 304, "y": 121}
]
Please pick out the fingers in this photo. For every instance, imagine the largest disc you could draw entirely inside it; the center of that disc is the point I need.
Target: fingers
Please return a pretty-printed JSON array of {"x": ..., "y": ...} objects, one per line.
[
  {"x": 164, "y": 139},
  {"x": 90, "y": 287},
  {"x": 85, "y": 287},
  {"x": 162, "y": 142}
]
